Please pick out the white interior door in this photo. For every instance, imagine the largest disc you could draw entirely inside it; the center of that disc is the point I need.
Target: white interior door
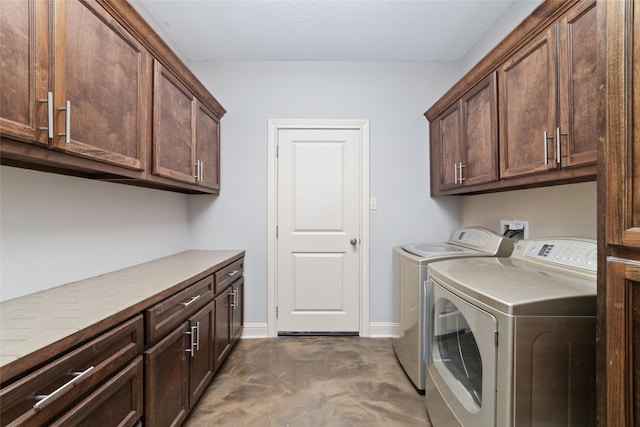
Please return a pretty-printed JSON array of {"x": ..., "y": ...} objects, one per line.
[{"x": 318, "y": 230}]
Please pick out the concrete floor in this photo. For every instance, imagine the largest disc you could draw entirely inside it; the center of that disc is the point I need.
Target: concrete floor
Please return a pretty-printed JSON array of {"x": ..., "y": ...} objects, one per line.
[{"x": 311, "y": 381}]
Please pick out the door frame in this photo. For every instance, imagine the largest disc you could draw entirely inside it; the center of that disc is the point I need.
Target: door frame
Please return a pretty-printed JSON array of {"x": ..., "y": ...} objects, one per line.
[{"x": 272, "y": 213}]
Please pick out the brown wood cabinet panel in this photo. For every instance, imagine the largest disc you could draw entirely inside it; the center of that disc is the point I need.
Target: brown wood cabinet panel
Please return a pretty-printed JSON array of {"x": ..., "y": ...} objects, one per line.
[
  {"x": 223, "y": 326},
  {"x": 480, "y": 133},
  {"x": 464, "y": 140},
  {"x": 528, "y": 108},
  {"x": 448, "y": 134},
  {"x": 201, "y": 355},
  {"x": 578, "y": 87},
  {"x": 173, "y": 127},
  {"x": 24, "y": 70},
  {"x": 621, "y": 138},
  {"x": 61, "y": 379},
  {"x": 164, "y": 316},
  {"x": 207, "y": 148},
  {"x": 237, "y": 313},
  {"x": 117, "y": 403},
  {"x": 622, "y": 390},
  {"x": 619, "y": 214},
  {"x": 166, "y": 380},
  {"x": 102, "y": 86}
]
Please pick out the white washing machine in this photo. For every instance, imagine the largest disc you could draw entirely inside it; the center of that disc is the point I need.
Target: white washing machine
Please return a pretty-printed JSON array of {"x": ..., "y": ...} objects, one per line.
[
  {"x": 410, "y": 272},
  {"x": 513, "y": 339}
]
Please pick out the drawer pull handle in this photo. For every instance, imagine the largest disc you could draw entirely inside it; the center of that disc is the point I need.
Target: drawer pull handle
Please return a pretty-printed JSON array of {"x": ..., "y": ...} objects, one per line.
[
  {"x": 188, "y": 303},
  {"x": 43, "y": 399},
  {"x": 233, "y": 273}
]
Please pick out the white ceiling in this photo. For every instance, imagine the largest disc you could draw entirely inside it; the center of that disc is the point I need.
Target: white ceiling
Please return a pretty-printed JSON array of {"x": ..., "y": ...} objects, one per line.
[{"x": 327, "y": 30}]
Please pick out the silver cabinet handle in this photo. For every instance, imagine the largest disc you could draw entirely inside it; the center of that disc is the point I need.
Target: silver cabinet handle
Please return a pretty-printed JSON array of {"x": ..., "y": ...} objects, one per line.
[
  {"x": 455, "y": 173},
  {"x": 192, "y": 342},
  {"x": 235, "y": 297},
  {"x": 233, "y": 273},
  {"x": 353, "y": 241},
  {"x": 49, "y": 126},
  {"x": 199, "y": 171},
  {"x": 460, "y": 178},
  {"x": 232, "y": 295},
  {"x": 546, "y": 148},
  {"x": 198, "y": 336},
  {"x": 186, "y": 304},
  {"x": 558, "y": 146},
  {"x": 43, "y": 399},
  {"x": 67, "y": 121}
]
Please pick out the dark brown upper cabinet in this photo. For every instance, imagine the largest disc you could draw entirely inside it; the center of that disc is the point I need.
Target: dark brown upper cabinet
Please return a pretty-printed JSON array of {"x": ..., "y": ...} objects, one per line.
[
  {"x": 548, "y": 98},
  {"x": 101, "y": 86},
  {"x": 81, "y": 96},
  {"x": 25, "y": 95},
  {"x": 526, "y": 114},
  {"x": 465, "y": 140}
]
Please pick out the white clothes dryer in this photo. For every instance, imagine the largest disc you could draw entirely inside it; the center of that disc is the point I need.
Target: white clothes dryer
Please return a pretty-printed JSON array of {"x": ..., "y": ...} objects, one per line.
[
  {"x": 410, "y": 272},
  {"x": 513, "y": 339}
]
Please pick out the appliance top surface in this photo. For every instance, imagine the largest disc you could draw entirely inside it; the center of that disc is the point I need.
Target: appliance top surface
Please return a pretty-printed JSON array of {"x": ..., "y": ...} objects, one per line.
[
  {"x": 542, "y": 277},
  {"x": 464, "y": 241}
]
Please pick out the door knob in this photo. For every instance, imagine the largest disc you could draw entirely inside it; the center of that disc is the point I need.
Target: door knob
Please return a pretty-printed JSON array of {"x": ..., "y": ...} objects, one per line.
[{"x": 353, "y": 241}]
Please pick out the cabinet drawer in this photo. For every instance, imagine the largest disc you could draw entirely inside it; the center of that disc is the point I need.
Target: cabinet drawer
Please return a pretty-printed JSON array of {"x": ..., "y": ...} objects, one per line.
[
  {"x": 117, "y": 403},
  {"x": 228, "y": 275},
  {"x": 166, "y": 315},
  {"x": 45, "y": 393}
]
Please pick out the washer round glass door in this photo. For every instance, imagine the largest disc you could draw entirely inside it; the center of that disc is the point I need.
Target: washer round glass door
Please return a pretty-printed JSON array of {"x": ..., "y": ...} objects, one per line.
[{"x": 464, "y": 357}]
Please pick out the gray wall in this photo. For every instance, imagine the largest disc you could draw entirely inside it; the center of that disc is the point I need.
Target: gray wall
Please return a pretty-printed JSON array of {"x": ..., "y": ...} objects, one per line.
[{"x": 392, "y": 96}]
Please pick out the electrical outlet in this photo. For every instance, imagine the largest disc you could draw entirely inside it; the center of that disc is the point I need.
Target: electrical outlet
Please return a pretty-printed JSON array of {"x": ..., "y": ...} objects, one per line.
[
  {"x": 507, "y": 225},
  {"x": 373, "y": 204}
]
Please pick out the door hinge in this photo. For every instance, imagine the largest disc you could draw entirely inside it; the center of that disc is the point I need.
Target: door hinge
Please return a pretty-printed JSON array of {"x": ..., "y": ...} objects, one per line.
[
  {"x": 496, "y": 338},
  {"x": 276, "y": 231},
  {"x": 277, "y": 151},
  {"x": 276, "y": 312}
]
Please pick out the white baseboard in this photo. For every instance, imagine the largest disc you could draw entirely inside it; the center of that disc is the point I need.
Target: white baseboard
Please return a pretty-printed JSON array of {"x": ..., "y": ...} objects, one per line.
[
  {"x": 384, "y": 330},
  {"x": 376, "y": 330},
  {"x": 254, "y": 330}
]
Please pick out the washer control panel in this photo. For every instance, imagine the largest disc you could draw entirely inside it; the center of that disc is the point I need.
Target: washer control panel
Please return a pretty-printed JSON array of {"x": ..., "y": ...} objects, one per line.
[
  {"x": 470, "y": 237},
  {"x": 575, "y": 253}
]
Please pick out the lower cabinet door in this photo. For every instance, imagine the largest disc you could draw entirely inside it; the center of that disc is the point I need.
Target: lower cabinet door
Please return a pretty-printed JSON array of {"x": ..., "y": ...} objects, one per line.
[
  {"x": 238, "y": 309},
  {"x": 166, "y": 379},
  {"x": 116, "y": 403},
  {"x": 201, "y": 354},
  {"x": 223, "y": 326}
]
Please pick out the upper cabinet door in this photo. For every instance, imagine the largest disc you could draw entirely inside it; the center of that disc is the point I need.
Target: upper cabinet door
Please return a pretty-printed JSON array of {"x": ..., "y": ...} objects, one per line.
[
  {"x": 24, "y": 70},
  {"x": 101, "y": 86},
  {"x": 207, "y": 148},
  {"x": 480, "y": 133},
  {"x": 173, "y": 127},
  {"x": 446, "y": 134},
  {"x": 577, "y": 57},
  {"x": 528, "y": 108}
]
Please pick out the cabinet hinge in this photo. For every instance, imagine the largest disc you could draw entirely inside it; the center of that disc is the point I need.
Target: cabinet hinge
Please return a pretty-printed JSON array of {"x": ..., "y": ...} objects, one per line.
[
  {"x": 276, "y": 231},
  {"x": 277, "y": 151}
]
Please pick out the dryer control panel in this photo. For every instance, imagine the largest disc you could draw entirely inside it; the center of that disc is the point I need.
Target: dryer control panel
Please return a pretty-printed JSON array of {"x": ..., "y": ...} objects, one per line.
[{"x": 575, "y": 253}]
